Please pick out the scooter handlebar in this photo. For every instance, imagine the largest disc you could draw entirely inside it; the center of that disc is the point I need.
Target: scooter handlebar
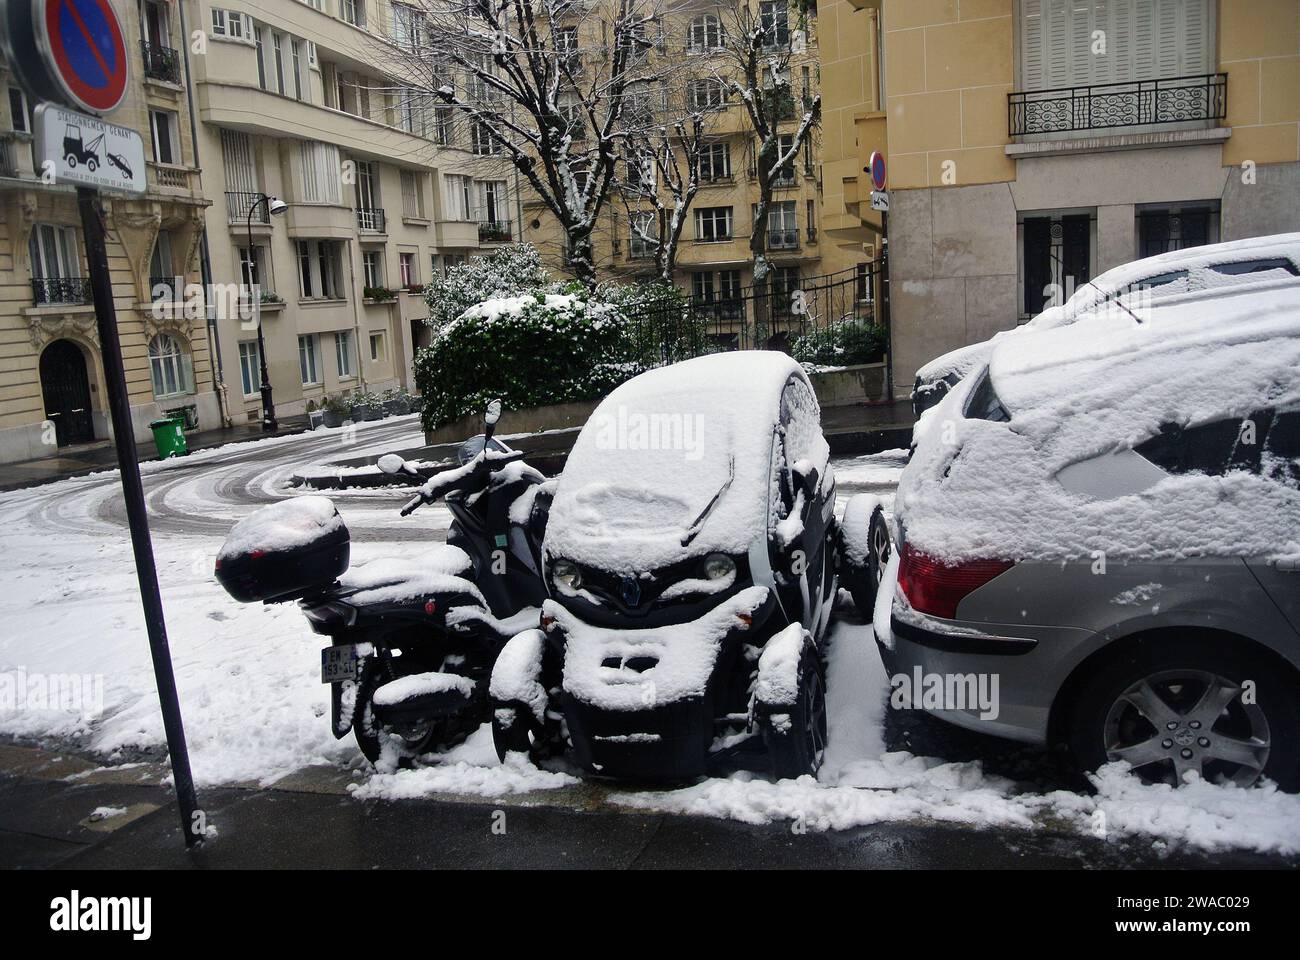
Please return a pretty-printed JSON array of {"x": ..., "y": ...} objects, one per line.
[{"x": 412, "y": 505}]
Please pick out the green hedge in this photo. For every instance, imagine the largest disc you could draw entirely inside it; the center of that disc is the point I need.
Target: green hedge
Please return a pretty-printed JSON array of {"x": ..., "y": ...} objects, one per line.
[
  {"x": 841, "y": 343},
  {"x": 532, "y": 350}
]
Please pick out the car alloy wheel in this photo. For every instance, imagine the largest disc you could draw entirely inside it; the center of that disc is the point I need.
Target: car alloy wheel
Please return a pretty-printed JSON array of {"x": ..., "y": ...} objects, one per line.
[{"x": 1175, "y": 721}]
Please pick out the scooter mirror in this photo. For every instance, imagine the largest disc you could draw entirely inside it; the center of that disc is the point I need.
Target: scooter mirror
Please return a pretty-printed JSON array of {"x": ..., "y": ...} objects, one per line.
[
  {"x": 493, "y": 413},
  {"x": 391, "y": 463}
]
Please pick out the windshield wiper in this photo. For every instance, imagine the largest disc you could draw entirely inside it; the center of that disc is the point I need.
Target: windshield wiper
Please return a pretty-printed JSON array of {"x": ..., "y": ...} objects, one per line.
[{"x": 698, "y": 523}]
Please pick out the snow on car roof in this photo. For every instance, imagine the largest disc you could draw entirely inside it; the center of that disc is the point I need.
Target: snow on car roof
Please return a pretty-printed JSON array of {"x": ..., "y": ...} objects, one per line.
[
  {"x": 982, "y": 488},
  {"x": 658, "y": 451},
  {"x": 1117, "y": 278}
]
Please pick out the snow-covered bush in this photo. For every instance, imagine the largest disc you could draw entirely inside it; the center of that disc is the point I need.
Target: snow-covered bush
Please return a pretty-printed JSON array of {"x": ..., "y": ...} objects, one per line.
[
  {"x": 841, "y": 343},
  {"x": 506, "y": 272},
  {"x": 529, "y": 349}
]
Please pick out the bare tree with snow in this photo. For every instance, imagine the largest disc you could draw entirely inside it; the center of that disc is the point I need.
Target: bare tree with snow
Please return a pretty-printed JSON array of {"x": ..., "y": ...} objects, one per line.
[
  {"x": 754, "y": 49},
  {"x": 551, "y": 87}
]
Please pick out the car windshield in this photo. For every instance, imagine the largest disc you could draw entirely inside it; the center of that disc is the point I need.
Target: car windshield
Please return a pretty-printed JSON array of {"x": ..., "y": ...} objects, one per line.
[{"x": 684, "y": 452}]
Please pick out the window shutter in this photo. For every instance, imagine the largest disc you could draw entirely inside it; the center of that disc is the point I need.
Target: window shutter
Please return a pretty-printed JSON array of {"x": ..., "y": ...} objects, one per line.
[
  {"x": 187, "y": 373},
  {"x": 1031, "y": 45}
]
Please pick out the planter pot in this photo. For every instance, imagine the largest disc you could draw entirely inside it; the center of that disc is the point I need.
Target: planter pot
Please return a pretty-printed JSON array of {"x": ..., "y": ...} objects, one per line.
[
  {"x": 397, "y": 407},
  {"x": 362, "y": 411},
  {"x": 315, "y": 419},
  {"x": 333, "y": 418},
  {"x": 417, "y": 404}
]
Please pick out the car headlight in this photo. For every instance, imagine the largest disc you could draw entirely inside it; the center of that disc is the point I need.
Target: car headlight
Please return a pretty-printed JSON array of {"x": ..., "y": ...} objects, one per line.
[
  {"x": 565, "y": 574},
  {"x": 718, "y": 566}
]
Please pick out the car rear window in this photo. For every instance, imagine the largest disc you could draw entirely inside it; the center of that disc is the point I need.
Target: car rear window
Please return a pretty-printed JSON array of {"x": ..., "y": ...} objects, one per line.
[{"x": 1239, "y": 267}]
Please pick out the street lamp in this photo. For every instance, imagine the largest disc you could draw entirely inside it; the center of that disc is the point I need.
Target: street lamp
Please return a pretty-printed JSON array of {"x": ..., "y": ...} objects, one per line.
[{"x": 274, "y": 206}]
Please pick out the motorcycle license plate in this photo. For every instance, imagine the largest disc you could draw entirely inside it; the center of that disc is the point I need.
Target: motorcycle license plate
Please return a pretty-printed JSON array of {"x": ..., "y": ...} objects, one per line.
[{"x": 338, "y": 663}]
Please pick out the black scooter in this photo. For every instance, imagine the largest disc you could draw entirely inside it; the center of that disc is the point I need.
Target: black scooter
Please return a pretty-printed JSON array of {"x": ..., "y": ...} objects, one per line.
[{"x": 412, "y": 642}]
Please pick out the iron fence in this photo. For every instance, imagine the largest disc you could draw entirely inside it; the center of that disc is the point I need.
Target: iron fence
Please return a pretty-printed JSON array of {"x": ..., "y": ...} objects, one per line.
[
  {"x": 60, "y": 290},
  {"x": 830, "y": 320},
  {"x": 1100, "y": 106},
  {"x": 160, "y": 62}
]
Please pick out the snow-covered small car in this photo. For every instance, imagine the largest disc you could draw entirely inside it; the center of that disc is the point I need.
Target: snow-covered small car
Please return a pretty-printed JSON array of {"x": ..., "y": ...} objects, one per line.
[
  {"x": 1106, "y": 521},
  {"x": 690, "y": 560},
  {"x": 1259, "y": 260}
]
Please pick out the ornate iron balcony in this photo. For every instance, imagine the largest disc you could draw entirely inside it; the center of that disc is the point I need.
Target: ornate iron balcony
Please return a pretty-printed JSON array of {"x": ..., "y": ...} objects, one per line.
[
  {"x": 371, "y": 219},
  {"x": 494, "y": 231},
  {"x": 52, "y": 290},
  {"x": 161, "y": 63},
  {"x": 1108, "y": 105}
]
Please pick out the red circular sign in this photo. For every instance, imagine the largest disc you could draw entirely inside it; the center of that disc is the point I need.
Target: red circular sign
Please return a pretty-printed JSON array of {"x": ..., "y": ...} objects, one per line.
[
  {"x": 877, "y": 167},
  {"x": 84, "y": 46}
]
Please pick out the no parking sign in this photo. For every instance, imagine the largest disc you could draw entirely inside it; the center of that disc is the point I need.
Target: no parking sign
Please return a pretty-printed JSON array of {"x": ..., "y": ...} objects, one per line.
[{"x": 69, "y": 51}]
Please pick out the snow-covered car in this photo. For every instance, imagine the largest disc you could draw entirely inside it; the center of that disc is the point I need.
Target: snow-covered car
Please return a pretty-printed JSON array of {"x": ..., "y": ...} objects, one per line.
[
  {"x": 690, "y": 559},
  {"x": 1106, "y": 520},
  {"x": 1258, "y": 260}
]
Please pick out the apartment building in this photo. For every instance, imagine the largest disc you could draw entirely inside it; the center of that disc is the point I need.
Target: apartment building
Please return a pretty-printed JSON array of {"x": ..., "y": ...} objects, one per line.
[
  {"x": 305, "y": 102},
  {"x": 52, "y": 392},
  {"x": 714, "y": 263},
  {"x": 1033, "y": 144}
]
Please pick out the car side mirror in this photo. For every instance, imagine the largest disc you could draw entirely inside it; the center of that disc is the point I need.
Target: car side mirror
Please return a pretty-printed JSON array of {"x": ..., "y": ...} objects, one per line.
[
  {"x": 393, "y": 464},
  {"x": 806, "y": 479}
]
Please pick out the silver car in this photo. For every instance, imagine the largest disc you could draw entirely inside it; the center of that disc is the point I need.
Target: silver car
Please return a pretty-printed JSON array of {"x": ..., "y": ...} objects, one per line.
[{"x": 1107, "y": 523}]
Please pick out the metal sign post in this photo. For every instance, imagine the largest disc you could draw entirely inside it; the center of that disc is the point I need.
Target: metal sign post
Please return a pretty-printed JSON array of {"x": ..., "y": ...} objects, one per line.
[
  {"x": 878, "y": 170},
  {"x": 72, "y": 52}
]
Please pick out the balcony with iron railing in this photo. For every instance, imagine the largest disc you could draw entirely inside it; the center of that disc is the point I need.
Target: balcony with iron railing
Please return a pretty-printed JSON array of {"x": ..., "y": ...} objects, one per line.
[
  {"x": 1106, "y": 106},
  {"x": 495, "y": 231},
  {"x": 161, "y": 63},
  {"x": 240, "y": 202},
  {"x": 785, "y": 239},
  {"x": 51, "y": 291},
  {"x": 371, "y": 220}
]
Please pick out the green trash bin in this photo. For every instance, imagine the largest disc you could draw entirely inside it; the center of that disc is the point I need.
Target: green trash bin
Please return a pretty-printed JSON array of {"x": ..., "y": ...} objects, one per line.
[{"x": 169, "y": 436}]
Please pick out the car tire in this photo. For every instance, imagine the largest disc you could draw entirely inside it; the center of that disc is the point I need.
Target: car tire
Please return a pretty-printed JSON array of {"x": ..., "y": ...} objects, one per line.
[
  {"x": 795, "y": 736},
  {"x": 1116, "y": 717},
  {"x": 862, "y": 569}
]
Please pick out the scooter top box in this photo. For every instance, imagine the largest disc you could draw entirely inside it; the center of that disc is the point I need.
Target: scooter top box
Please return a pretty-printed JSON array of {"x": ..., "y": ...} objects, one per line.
[{"x": 284, "y": 550}]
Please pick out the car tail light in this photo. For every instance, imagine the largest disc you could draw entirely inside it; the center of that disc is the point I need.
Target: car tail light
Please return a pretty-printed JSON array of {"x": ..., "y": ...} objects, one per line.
[{"x": 936, "y": 587}]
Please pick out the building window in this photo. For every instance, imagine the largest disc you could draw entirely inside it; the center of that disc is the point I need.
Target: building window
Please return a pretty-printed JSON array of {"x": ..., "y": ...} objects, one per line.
[
  {"x": 704, "y": 34},
  {"x": 713, "y": 223},
  {"x": 407, "y": 270},
  {"x": 250, "y": 367},
  {"x": 53, "y": 252},
  {"x": 642, "y": 241},
  {"x": 259, "y": 34},
  {"x": 376, "y": 347},
  {"x": 782, "y": 226},
  {"x": 320, "y": 269},
  {"x": 456, "y": 196},
  {"x": 1057, "y": 258},
  {"x": 343, "y": 352},
  {"x": 408, "y": 26},
  {"x": 301, "y": 88},
  {"x": 253, "y": 268},
  {"x": 774, "y": 21},
  {"x": 353, "y": 11},
  {"x": 307, "y": 359},
  {"x": 169, "y": 367},
  {"x": 166, "y": 147},
  {"x": 319, "y": 173},
  {"x": 372, "y": 268},
  {"x": 1160, "y": 231},
  {"x": 715, "y": 161},
  {"x": 1145, "y": 40},
  {"x": 482, "y": 140},
  {"x": 444, "y": 133},
  {"x": 19, "y": 116},
  {"x": 412, "y": 194},
  {"x": 706, "y": 94}
]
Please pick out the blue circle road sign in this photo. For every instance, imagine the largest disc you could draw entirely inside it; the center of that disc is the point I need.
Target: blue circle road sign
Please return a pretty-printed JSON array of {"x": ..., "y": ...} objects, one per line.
[
  {"x": 84, "y": 45},
  {"x": 877, "y": 166}
]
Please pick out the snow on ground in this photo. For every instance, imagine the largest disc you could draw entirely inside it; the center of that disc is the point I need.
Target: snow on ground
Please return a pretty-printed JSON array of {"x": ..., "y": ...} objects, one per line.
[{"x": 255, "y": 710}]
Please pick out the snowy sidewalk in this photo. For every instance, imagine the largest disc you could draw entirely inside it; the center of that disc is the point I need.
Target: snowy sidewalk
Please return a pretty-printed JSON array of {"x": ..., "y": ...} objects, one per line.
[{"x": 46, "y": 821}]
